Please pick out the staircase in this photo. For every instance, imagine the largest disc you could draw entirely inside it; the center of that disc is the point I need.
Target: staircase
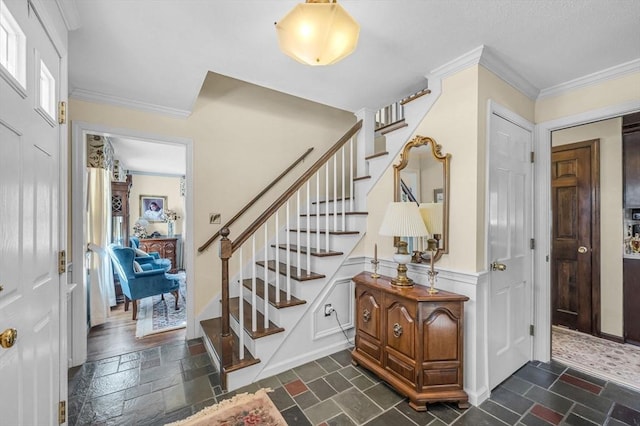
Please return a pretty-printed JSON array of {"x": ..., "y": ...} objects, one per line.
[{"x": 285, "y": 264}]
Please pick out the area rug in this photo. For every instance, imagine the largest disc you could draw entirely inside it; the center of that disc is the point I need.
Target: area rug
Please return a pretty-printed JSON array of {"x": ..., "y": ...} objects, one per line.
[
  {"x": 617, "y": 362},
  {"x": 242, "y": 409},
  {"x": 156, "y": 315}
]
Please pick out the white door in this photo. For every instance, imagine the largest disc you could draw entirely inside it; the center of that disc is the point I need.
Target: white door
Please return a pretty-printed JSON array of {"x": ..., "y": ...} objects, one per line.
[
  {"x": 510, "y": 231},
  {"x": 29, "y": 176}
]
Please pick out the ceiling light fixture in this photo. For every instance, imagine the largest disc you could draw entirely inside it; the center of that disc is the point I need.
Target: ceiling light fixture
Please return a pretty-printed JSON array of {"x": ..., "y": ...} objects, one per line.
[{"x": 318, "y": 32}]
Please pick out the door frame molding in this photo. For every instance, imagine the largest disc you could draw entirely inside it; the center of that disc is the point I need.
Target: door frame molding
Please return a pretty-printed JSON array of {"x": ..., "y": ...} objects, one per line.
[
  {"x": 80, "y": 327},
  {"x": 542, "y": 219},
  {"x": 494, "y": 108},
  {"x": 594, "y": 146}
]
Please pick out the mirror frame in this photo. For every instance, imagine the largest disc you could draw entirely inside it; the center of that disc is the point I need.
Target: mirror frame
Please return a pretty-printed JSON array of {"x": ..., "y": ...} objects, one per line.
[{"x": 436, "y": 151}]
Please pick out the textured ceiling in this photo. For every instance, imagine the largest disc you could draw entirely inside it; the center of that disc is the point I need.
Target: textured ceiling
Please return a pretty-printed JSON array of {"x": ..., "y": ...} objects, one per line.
[{"x": 158, "y": 52}]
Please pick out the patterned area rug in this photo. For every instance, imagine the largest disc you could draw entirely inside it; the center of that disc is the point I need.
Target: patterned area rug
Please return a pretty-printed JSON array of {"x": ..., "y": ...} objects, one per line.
[
  {"x": 619, "y": 363},
  {"x": 157, "y": 316},
  {"x": 242, "y": 409}
]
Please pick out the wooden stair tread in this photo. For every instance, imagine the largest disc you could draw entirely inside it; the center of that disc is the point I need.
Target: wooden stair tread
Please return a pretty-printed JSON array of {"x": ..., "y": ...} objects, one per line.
[
  {"x": 234, "y": 310},
  {"x": 314, "y": 251},
  {"x": 332, "y": 214},
  {"x": 304, "y": 276},
  {"x": 212, "y": 329},
  {"x": 330, "y": 201},
  {"x": 376, "y": 155},
  {"x": 283, "y": 303},
  {"x": 322, "y": 231}
]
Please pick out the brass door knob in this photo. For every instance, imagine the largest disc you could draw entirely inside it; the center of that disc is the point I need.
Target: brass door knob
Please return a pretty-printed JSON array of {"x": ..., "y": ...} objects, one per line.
[
  {"x": 582, "y": 249},
  {"x": 495, "y": 266},
  {"x": 8, "y": 337}
]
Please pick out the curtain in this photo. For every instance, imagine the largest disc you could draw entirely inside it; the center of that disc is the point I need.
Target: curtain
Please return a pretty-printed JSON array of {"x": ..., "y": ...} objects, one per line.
[{"x": 101, "y": 289}]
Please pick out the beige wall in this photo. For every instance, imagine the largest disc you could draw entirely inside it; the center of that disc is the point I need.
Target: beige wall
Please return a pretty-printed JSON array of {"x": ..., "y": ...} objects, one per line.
[
  {"x": 610, "y": 92},
  {"x": 243, "y": 137},
  {"x": 166, "y": 186},
  {"x": 611, "y": 228}
]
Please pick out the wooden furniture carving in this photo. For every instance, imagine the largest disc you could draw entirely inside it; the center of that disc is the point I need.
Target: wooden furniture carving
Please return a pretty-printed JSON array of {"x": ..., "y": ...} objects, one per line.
[
  {"x": 166, "y": 247},
  {"x": 120, "y": 211},
  {"x": 411, "y": 339}
]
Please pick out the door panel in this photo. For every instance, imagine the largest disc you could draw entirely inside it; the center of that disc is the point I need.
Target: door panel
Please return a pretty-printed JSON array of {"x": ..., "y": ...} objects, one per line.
[
  {"x": 510, "y": 228},
  {"x": 573, "y": 216},
  {"x": 29, "y": 206}
]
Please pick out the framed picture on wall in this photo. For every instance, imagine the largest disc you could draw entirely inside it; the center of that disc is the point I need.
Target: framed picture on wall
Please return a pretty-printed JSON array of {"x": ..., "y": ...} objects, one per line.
[{"x": 152, "y": 207}]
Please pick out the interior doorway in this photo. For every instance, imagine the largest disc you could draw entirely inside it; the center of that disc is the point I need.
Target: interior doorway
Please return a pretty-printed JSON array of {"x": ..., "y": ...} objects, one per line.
[
  {"x": 143, "y": 157},
  {"x": 575, "y": 239}
]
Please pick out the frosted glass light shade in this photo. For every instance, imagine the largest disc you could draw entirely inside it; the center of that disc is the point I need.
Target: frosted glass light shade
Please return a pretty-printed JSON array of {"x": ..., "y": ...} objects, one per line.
[
  {"x": 318, "y": 33},
  {"x": 403, "y": 220}
]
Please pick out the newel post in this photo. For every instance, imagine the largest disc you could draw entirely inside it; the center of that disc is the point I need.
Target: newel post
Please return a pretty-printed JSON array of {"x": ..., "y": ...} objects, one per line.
[{"x": 226, "y": 338}]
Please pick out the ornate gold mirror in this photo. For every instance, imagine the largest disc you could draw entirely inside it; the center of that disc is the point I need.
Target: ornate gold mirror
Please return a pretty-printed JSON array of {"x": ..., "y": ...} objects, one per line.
[{"x": 422, "y": 177}]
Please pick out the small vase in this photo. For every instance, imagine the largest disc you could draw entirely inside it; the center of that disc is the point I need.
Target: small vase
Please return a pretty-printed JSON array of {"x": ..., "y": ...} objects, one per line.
[{"x": 170, "y": 229}]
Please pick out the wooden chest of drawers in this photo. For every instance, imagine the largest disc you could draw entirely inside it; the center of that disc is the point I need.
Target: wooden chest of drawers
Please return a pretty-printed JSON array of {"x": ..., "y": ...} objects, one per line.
[
  {"x": 167, "y": 247},
  {"x": 411, "y": 339}
]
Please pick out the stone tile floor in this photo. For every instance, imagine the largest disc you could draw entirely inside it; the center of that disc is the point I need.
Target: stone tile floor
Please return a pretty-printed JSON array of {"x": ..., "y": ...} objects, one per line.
[{"x": 166, "y": 383}]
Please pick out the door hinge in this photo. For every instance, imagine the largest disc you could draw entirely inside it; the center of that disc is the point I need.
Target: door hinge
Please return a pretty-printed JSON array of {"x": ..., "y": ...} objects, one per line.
[
  {"x": 62, "y": 412},
  {"x": 533, "y": 156},
  {"x": 532, "y": 243},
  {"x": 62, "y": 112},
  {"x": 531, "y": 330},
  {"x": 62, "y": 262}
]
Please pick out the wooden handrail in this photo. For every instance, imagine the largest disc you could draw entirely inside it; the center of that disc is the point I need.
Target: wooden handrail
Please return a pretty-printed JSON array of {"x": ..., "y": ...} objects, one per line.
[
  {"x": 253, "y": 201},
  {"x": 294, "y": 187}
]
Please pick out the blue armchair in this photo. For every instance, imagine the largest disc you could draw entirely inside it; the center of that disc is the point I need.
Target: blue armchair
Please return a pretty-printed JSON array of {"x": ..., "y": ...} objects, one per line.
[
  {"x": 150, "y": 260},
  {"x": 138, "y": 285}
]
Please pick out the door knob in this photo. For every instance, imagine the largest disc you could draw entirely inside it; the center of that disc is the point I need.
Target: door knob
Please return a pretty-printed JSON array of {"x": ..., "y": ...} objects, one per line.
[
  {"x": 8, "y": 337},
  {"x": 582, "y": 249},
  {"x": 495, "y": 266}
]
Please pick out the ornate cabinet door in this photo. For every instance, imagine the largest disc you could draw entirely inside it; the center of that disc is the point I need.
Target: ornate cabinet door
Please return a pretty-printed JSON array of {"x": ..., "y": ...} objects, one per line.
[
  {"x": 368, "y": 318},
  {"x": 401, "y": 337}
]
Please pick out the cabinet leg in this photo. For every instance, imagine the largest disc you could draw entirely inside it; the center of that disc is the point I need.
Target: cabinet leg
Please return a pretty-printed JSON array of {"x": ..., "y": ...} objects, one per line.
[
  {"x": 418, "y": 406},
  {"x": 463, "y": 404}
]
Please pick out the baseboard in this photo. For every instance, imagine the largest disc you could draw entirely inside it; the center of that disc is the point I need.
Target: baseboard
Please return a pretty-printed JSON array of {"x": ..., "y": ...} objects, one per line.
[
  {"x": 611, "y": 337},
  {"x": 477, "y": 398}
]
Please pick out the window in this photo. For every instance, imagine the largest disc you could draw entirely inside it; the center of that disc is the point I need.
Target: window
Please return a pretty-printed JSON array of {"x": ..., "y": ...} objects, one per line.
[
  {"x": 13, "y": 47},
  {"x": 47, "y": 91}
]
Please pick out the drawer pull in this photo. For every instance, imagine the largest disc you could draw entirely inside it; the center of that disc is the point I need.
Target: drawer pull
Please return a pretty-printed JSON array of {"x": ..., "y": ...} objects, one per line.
[
  {"x": 366, "y": 315},
  {"x": 397, "y": 330}
]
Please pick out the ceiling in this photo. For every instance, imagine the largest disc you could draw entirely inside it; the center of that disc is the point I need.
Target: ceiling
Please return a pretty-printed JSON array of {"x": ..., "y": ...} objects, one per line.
[
  {"x": 141, "y": 156},
  {"x": 156, "y": 54}
]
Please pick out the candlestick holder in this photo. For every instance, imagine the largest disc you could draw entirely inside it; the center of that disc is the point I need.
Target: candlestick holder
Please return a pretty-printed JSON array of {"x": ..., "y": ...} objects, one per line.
[
  {"x": 432, "y": 247},
  {"x": 375, "y": 274}
]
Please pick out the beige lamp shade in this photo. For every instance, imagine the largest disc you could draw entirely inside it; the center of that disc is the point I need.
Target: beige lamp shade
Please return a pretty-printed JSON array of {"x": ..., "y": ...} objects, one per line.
[
  {"x": 432, "y": 217},
  {"x": 403, "y": 220},
  {"x": 318, "y": 33}
]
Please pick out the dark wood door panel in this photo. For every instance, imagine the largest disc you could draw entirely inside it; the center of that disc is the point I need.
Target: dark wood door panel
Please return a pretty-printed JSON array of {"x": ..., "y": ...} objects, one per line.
[
  {"x": 631, "y": 291},
  {"x": 575, "y": 239}
]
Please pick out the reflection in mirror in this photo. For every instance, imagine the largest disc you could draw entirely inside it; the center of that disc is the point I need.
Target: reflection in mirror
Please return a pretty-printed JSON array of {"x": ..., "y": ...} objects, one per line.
[{"x": 422, "y": 177}]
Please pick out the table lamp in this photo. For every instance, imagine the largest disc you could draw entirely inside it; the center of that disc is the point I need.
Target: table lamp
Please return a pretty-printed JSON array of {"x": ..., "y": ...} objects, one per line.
[{"x": 402, "y": 219}]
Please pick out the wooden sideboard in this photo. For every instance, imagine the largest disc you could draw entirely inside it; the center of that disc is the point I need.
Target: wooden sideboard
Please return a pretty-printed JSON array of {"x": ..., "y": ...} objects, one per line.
[
  {"x": 166, "y": 246},
  {"x": 411, "y": 339}
]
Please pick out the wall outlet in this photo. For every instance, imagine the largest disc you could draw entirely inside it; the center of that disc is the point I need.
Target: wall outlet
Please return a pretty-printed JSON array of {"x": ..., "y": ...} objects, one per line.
[
  {"x": 328, "y": 309},
  {"x": 214, "y": 218}
]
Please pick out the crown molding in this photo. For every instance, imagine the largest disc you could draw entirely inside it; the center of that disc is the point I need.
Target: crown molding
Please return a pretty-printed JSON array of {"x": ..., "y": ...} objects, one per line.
[
  {"x": 70, "y": 15},
  {"x": 482, "y": 55},
  {"x": 91, "y": 96},
  {"x": 592, "y": 79}
]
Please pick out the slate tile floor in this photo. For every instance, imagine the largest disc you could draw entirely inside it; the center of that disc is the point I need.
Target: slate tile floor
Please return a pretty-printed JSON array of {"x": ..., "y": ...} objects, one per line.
[{"x": 169, "y": 382}]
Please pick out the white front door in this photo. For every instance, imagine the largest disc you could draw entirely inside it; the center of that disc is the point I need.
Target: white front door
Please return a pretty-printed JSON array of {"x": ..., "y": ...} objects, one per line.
[
  {"x": 510, "y": 231},
  {"x": 29, "y": 208}
]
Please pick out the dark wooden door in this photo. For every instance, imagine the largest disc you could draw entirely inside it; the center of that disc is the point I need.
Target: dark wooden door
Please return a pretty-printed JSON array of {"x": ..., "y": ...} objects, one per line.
[{"x": 575, "y": 268}]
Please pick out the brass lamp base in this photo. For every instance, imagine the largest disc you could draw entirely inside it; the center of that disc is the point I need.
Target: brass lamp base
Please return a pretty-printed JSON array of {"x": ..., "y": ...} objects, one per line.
[{"x": 402, "y": 258}]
